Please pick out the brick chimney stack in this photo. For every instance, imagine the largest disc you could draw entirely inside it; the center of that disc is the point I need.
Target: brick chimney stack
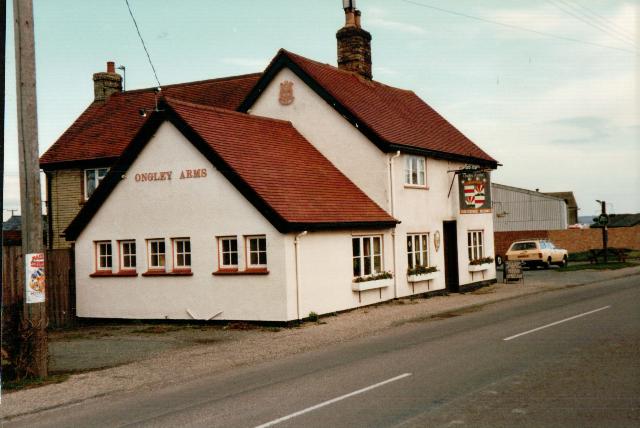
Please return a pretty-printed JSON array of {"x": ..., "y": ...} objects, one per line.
[
  {"x": 354, "y": 43},
  {"x": 105, "y": 84}
]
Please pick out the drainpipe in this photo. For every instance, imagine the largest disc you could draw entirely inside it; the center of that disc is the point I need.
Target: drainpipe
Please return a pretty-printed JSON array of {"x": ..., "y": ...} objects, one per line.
[
  {"x": 393, "y": 231},
  {"x": 295, "y": 243}
]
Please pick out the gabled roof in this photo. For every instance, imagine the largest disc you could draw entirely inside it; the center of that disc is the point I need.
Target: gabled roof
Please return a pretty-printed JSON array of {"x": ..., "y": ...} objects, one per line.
[
  {"x": 104, "y": 129},
  {"x": 394, "y": 119},
  {"x": 267, "y": 160}
]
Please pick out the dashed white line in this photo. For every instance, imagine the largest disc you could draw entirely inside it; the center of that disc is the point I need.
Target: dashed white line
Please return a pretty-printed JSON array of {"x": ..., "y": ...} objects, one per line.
[
  {"x": 333, "y": 400},
  {"x": 557, "y": 322}
]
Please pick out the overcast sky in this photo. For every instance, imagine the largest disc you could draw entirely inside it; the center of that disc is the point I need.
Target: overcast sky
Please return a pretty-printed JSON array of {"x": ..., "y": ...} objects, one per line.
[{"x": 559, "y": 114}]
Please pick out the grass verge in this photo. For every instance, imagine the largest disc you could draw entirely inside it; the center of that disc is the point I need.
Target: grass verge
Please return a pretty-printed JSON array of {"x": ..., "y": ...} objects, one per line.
[{"x": 597, "y": 266}]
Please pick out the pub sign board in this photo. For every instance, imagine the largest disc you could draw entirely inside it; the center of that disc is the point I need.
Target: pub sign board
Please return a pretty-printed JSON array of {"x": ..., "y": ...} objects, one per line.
[{"x": 475, "y": 192}]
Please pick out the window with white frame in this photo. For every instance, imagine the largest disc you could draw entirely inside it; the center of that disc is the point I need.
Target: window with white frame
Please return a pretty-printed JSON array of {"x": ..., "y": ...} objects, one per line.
[
  {"x": 93, "y": 177},
  {"x": 127, "y": 255},
  {"x": 475, "y": 244},
  {"x": 418, "y": 250},
  {"x": 367, "y": 255},
  {"x": 182, "y": 253},
  {"x": 257, "y": 251},
  {"x": 103, "y": 255},
  {"x": 156, "y": 251},
  {"x": 415, "y": 171},
  {"x": 228, "y": 250}
]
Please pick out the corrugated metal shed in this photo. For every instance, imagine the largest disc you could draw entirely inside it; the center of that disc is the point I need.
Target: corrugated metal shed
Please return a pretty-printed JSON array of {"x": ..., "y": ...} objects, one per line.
[{"x": 522, "y": 209}]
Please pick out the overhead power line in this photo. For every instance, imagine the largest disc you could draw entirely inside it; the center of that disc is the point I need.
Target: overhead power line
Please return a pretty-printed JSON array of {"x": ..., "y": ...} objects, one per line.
[
  {"x": 614, "y": 27},
  {"x": 143, "y": 44},
  {"x": 569, "y": 9},
  {"x": 541, "y": 33}
]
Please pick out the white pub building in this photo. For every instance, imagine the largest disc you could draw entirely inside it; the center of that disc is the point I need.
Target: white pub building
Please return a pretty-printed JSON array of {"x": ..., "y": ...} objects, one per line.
[{"x": 304, "y": 188}]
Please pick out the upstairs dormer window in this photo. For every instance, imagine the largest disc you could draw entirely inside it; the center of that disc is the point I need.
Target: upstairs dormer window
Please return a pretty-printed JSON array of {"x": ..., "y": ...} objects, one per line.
[
  {"x": 415, "y": 171},
  {"x": 93, "y": 177}
]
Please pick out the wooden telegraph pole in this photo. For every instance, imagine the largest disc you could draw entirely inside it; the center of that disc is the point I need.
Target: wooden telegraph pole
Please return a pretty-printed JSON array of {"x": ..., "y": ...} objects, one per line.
[{"x": 33, "y": 326}]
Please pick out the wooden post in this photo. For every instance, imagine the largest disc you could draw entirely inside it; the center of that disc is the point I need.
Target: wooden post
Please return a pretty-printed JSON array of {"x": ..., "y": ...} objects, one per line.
[
  {"x": 605, "y": 237},
  {"x": 35, "y": 317}
]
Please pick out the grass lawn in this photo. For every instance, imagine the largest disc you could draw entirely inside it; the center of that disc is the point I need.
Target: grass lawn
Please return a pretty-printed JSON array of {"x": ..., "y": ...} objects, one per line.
[{"x": 598, "y": 266}]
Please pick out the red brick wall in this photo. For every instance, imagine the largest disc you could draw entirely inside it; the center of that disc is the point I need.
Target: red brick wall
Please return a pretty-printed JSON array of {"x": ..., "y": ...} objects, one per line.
[{"x": 573, "y": 240}]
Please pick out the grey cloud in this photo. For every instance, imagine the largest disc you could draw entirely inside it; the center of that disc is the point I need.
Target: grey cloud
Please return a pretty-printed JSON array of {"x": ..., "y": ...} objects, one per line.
[{"x": 596, "y": 128}]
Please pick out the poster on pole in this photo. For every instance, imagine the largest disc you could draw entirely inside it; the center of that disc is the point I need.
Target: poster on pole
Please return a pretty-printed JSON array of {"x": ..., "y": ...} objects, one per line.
[
  {"x": 35, "y": 284},
  {"x": 475, "y": 192}
]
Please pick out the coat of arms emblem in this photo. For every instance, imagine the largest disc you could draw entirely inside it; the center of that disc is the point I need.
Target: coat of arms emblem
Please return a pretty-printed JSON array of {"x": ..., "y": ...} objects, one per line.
[
  {"x": 475, "y": 192},
  {"x": 286, "y": 93}
]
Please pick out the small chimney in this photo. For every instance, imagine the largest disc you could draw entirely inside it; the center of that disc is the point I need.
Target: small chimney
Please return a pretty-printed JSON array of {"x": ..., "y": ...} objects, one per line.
[
  {"x": 105, "y": 84},
  {"x": 354, "y": 43}
]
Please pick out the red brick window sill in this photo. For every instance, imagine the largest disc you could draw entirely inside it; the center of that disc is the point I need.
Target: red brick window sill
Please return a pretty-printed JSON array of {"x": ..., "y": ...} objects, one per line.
[
  {"x": 100, "y": 274},
  {"x": 172, "y": 273},
  {"x": 241, "y": 272}
]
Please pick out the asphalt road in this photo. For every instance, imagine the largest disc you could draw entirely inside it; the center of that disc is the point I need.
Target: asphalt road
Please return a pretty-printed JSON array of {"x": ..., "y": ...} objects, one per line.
[{"x": 565, "y": 358}]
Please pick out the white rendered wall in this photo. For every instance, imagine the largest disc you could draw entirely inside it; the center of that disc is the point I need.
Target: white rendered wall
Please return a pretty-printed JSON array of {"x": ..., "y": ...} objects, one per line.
[
  {"x": 339, "y": 141},
  {"x": 423, "y": 210},
  {"x": 325, "y": 263},
  {"x": 198, "y": 208}
]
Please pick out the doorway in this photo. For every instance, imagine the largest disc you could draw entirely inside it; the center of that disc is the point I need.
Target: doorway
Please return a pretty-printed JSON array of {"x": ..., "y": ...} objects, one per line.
[{"x": 450, "y": 243}]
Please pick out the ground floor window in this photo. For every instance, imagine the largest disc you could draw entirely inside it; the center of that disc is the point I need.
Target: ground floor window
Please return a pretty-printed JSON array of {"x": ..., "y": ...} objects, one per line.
[
  {"x": 475, "y": 244},
  {"x": 103, "y": 255},
  {"x": 228, "y": 250},
  {"x": 156, "y": 250},
  {"x": 367, "y": 255},
  {"x": 182, "y": 253},
  {"x": 257, "y": 251},
  {"x": 127, "y": 255},
  {"x": 418, "y": 250}
]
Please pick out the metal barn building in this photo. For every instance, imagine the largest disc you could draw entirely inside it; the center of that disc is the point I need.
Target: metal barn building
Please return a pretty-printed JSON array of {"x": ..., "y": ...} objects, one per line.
[{"x": 522, "y": 209}]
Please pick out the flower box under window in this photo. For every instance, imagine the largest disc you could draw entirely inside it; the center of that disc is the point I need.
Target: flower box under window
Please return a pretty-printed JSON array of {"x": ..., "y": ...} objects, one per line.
[
  {"x": 480, "y": 267},
  {"x": 422, "y": 277},
  {"x": 372, "y": 285}
]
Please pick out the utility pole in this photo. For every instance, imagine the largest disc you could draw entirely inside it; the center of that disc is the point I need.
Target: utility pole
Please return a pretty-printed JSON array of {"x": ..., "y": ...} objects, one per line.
[
  {"x": 605, "y": 237},
  {"x": 34, "y": 322}
]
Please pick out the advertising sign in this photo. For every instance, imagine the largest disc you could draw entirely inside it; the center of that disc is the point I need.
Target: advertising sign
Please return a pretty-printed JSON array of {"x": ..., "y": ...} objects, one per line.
[
  {"x": 475, "y": 192},
  {"x": 35, "y": 284}
]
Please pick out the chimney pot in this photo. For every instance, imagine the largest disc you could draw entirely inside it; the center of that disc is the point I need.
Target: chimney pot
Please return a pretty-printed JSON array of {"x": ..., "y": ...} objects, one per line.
[
  {"x": 357, "y": 18},
  {"x": 106, "y": 84}
]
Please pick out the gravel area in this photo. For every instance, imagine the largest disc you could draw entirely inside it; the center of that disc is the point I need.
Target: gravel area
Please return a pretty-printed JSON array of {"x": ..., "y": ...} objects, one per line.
[{"x": 190, "y": 358}]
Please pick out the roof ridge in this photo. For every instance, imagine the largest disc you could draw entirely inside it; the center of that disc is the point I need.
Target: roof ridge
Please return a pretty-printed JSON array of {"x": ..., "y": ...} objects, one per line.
[
  {"x": 221, "y": 110},
  {"x": 194, "y": 82}
]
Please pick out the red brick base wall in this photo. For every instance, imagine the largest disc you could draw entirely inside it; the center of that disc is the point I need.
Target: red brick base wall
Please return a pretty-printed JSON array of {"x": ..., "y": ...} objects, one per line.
[{"x": 573, "y": 240}]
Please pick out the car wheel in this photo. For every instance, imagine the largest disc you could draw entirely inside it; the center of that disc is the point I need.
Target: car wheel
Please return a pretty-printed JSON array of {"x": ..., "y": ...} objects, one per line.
[
  {"x": 565, "y": 262},
  {"x": 547, "y": 264},
  {"x": 499, "y": 260}
]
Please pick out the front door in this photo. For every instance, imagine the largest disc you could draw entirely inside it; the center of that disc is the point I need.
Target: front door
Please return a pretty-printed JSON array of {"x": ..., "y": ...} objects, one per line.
[{"x": 450, "y": 238}]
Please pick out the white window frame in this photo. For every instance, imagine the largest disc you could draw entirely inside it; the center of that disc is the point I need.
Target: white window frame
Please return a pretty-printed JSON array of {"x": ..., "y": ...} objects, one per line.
[
  {"x": 417, "y": 250},
  {"x": 151, "y": 253},
  {"x": 183, "y": 253},
  {"x": 258, "y": 251},
  {"x": 362, "y": 260},
  {"x": 415, "y": 165},
  {"x": 99, "y": 174},
  {"x": 104, "y": 256},
  {"x": 127, "y": 255},
  {"x": 475, "y": 244},
  {"x": 230, "y": 252}
]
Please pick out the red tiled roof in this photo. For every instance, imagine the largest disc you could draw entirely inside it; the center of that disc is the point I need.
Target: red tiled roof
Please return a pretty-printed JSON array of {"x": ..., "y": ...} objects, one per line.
[
  {"x": 396, "y": 116},
  {"x": 283, "y": 168},
  {"x": 103, "y": 130}
]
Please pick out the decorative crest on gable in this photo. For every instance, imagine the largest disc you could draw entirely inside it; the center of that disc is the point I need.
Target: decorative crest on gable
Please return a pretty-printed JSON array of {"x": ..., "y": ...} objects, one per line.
[{"x": 286, "y": 93}]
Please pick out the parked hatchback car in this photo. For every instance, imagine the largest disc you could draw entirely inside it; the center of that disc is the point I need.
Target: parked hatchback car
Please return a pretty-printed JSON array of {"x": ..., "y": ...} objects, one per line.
[{"x": 537, "y": 252}]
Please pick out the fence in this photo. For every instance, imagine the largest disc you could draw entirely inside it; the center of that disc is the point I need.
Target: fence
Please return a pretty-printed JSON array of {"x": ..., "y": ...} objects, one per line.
[
  {"x": 573, "y": 240},
  {"x": 60, "y": 297}
]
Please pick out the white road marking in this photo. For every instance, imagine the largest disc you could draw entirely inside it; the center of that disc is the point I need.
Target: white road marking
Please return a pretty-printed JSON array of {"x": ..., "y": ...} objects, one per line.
[
  {"x": 557, "y": 322},
  {"x": 333, "y": 400}
]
